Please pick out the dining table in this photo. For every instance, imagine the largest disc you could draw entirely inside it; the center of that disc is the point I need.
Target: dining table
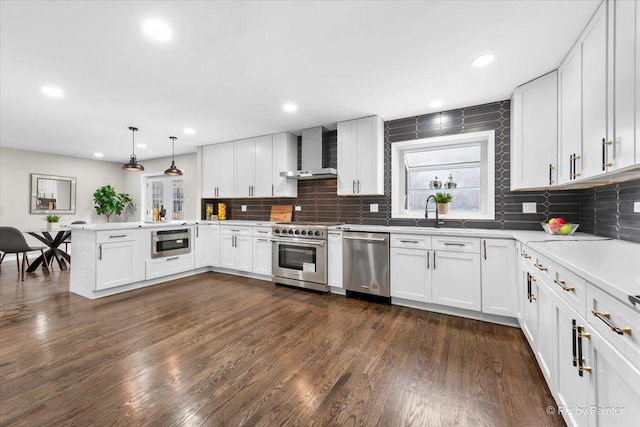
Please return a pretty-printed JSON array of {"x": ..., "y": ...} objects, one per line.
[{"x": 53, "y": 239}]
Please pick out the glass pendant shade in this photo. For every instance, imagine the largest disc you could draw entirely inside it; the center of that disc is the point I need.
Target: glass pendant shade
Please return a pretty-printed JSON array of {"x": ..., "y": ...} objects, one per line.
[
  {"x": 173, "y": 170},
  {"x": 133, "y": 164}
]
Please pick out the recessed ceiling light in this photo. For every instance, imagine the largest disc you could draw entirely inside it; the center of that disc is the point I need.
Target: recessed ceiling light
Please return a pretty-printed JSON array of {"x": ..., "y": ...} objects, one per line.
[
  {"x": 289, "y": 107},
  {"x": 436, "y": 103},
  {"x": 483, "y": 60},
  {"x": 141, "y": 145},
  {"x": 98, "y": 154},
  {"x": 52, "y": 91},
  {"x": 189, "y": 131},
  {"x": 157, "y": 30}
]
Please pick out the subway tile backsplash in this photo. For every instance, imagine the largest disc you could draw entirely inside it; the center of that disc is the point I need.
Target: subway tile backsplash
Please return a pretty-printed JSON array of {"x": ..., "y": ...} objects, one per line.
[{"x": 606, "y": 211}]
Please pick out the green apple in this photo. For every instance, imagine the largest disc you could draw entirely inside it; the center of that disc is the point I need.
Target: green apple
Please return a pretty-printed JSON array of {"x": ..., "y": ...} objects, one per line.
[
  {"x": 552, "y": 221},
  {"x": 565, "y": 229}
]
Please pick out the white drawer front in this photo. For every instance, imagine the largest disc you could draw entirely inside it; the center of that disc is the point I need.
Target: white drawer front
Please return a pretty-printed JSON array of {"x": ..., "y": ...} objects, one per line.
[
  {"x": 170, "y": 265},
  {"x": 617, "y": 323},
  {"x": 410, "y": 241},
  {"x": 115, "y": 236},
  {"x": 457, "y": 244},
  {"x": 238, "y": 230},
  {"x": 570, "y": 287},
  {"x": 261, "y": 231}
]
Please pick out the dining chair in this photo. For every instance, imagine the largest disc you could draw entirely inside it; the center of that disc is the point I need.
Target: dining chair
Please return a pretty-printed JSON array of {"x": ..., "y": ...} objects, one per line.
[
  {"x": 67, "y": 241},
  {"x": 12, "y": 241}
]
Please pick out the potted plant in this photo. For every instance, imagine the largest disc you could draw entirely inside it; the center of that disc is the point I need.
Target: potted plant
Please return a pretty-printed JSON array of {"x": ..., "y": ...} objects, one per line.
[
  {"x": 443, "y": 199},
  {"x": 52, "y": 222},
  {"x": 108, "y": 202}
]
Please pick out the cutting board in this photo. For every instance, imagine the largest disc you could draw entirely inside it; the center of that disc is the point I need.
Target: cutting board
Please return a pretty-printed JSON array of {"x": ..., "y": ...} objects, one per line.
[{"x": 281, "y": 213}]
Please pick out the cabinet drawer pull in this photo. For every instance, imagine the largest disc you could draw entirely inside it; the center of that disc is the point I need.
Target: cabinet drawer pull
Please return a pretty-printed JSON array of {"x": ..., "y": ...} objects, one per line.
[
  {"x": 605, "y": 318},
  {"x": 541, "y": 267},
  {"x": 117, "y": 236},
  {"x": 262, "y": 240},
  {"x": 525, "y": 255},
  {"x": 235, "y": 231},
  {"x": 409, "y": 241},
  {"x": 333, "y": 234},
  {"x": 263, "y": 232},
  {"x": 172, "y": 258},
  {"x": 563, "y": 285},
  {"x": 454, "y": 244}
]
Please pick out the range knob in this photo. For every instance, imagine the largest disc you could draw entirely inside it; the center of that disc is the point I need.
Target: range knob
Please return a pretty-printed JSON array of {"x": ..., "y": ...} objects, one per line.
[
  {"x": 303, "y": 232},
  {"x": 276, "y": 231},
  {"x": 290, "y": 231},
  {"x": 317, "y": 233},
  {"x": 297, "y": 231}
]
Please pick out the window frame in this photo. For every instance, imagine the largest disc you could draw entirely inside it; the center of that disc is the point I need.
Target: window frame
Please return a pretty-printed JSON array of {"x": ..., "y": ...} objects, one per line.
[
  {"x": 145, "y": 191},
  {"x": 487, "y": 172}
]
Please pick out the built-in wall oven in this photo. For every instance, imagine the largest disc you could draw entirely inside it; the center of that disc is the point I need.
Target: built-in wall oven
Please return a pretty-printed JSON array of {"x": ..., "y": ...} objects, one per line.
[
  {"x": 299, "y": 252},
  {"x": 170, "y": 242}
]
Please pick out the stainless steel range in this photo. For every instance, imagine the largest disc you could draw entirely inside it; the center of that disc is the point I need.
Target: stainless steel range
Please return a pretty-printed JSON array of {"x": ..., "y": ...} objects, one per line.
[{"x": 300, "y": 255}]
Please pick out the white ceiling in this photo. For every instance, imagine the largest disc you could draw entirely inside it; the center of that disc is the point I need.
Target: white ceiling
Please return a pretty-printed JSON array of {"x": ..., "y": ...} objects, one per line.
[{"x": 230, "y": 66}]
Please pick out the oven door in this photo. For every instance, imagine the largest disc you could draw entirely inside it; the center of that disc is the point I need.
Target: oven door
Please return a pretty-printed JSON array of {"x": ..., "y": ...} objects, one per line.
[{"x": 300, "y": 259}]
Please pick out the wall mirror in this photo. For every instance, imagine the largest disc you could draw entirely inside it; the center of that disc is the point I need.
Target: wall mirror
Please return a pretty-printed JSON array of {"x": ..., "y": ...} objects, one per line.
[{"x": 51, "y": 194}]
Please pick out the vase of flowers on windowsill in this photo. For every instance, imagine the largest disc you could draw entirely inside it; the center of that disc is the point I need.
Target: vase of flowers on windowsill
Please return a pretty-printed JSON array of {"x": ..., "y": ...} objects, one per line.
[
  {"x": 53, "y": 222},
  {"x": 442, "y": 200}
]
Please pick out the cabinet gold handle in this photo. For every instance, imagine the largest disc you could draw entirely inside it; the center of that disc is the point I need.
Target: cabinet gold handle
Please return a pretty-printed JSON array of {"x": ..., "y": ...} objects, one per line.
[
  {"x": 358, "y": 181},
  {"x": 541, "y": 267},
  {"x": 563, "y": 285},
  {"x": 525, "y": 255},
  {"x": 607, "y": 165},
  {"x": 273, "y": 189},
  {"x": 353, "y": 185},
  {"x": 551, "y": 167},
  {"x": 532, "y": 297},
  {"x": 605, "y": 318}
]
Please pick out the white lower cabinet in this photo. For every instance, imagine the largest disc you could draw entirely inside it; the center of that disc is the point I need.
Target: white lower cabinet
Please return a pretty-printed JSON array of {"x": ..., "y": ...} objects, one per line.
[
  {"x": 119, "y": 259},
  {"x": 167, "y": 266},
  {"x": 571, "y": 385},
  {"x": 214, "y": 245},
  {"x": 201, "y": 246},
  {"x": 236, "y": 248},
  {"x": 456, "y": 280},
  {"x": 334, "y": 259},
  {"x": 499, "y": 279},
  {"x": 410, "y": 274},
  {"x": 262, "y": 256}
]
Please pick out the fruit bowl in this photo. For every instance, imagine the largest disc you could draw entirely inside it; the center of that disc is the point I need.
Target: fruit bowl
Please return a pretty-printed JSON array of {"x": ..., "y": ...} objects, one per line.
[{"x": 561, "y": 230}]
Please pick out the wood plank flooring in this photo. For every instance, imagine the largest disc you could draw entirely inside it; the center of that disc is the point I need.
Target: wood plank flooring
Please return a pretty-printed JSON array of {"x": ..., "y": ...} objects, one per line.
[{"x": 219, "y": 350}]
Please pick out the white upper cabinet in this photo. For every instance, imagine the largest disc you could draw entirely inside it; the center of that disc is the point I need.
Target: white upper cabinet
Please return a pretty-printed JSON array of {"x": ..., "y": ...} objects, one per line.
[
  {"x": 361, "y": 157},
  {"x": 623, "y": 90},
  {"x": 534, "y": 142},
  {"x": 217, "y": 170},
  {"x": 594, "y": 93},
  {"x": 285, "y": 158},
  {"x": 569, "y": 117},
  {"x": 253, "y": 167}
]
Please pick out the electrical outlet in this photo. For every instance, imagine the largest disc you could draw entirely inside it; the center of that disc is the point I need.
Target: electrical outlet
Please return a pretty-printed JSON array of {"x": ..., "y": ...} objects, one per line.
[
  {"x": 373, "y": 207},
  {"x": 244, "y": 208},
  {"x": 636, "y": 207},
  {"x": 298, "y": 208},
  {"x": 529, "y": 207}
]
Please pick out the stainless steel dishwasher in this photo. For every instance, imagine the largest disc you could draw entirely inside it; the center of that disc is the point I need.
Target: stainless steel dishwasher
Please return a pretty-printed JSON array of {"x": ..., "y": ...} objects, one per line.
[{"x": 366, "y": 264}]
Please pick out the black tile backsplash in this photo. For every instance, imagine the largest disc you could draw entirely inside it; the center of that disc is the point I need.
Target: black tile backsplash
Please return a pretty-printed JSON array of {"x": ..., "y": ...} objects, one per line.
[{"x": 606, "y": 211}]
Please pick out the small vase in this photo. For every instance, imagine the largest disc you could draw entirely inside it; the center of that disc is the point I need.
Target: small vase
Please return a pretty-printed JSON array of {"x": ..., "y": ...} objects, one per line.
[
  {"x": 435, "y": 183},
  {"x": 53, "y": 226},
  {"x": 443, "y": 208}
]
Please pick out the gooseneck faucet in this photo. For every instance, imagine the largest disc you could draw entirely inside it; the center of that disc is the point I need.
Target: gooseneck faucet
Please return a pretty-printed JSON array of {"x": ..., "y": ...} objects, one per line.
[{"x": 426, "y": 210}]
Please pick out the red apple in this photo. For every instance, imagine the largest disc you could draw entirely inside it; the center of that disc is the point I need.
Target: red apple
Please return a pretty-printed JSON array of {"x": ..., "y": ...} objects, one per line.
[
  {"x": 554, "y": 228},
  {"x": 560, "y": 221}
]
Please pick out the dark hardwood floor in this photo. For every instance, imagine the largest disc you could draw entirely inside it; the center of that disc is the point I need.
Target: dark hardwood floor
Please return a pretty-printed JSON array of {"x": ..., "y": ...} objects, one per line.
[{"x": 219, "y": 350}]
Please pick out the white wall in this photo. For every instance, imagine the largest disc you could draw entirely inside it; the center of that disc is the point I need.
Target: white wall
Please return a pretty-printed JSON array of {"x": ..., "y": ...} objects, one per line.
[
  {"x": 16, "y": 167},
  {"x": 186, "y": 163}
]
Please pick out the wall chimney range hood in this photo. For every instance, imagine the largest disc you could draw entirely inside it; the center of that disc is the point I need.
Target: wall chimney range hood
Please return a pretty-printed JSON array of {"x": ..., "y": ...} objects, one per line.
[{"x": 312, "y": 157}]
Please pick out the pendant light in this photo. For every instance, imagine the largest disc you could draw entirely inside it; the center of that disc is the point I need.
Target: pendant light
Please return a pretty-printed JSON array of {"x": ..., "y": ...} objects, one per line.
[
  {"x": 133, "y": 164},
  {"x": 173, "y": 170}
]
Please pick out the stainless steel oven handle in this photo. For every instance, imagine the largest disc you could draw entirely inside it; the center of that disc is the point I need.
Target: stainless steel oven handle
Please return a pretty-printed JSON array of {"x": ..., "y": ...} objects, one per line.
[
  {"x": 366, "y": 239},
  {"x": 299, "y": 242}
]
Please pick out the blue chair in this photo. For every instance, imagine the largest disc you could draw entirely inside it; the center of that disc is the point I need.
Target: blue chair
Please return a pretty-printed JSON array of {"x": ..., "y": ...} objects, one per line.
[{"x": 12, "y": 241}]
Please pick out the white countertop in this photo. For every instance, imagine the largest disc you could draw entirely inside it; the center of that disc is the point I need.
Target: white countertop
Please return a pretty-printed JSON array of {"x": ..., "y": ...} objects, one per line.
[
  {"x": 612, "y": 265},
  {"x": 156, "y": 224},
  {"x": 520, "y": 235}
]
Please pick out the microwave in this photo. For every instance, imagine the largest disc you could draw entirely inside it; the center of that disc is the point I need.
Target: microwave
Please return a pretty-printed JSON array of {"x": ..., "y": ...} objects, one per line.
[{"x": 175, "y": 241}]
